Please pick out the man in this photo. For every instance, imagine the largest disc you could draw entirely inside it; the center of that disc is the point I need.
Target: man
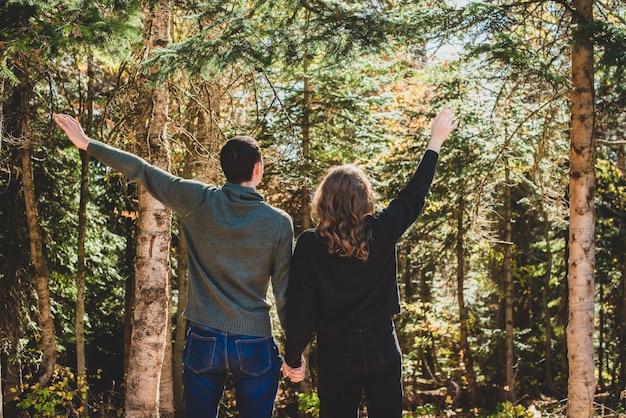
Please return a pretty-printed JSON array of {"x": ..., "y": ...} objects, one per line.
[{"x": 236, "y": 244}]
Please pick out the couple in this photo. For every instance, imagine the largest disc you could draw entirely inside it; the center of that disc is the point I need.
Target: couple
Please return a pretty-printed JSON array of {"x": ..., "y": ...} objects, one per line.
[{"x": 339, "y": 282}]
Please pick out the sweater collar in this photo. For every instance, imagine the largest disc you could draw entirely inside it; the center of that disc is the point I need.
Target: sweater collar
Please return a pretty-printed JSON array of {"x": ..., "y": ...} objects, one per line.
[{"x": 238, "y": 193}]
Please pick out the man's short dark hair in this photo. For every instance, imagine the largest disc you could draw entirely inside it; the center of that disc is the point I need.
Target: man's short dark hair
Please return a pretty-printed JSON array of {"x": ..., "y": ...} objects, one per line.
[{"x": 238, "y": 157}]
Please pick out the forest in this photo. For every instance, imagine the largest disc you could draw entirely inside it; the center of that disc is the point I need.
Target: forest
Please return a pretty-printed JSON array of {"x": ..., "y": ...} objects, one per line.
[{"x": 512, "y": 281}]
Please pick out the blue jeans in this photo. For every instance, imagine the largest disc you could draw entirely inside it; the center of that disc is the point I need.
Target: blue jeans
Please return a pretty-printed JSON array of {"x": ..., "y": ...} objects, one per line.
[
  {"x": 208, "y": 357},
  {"x": 366, "y": 360}
]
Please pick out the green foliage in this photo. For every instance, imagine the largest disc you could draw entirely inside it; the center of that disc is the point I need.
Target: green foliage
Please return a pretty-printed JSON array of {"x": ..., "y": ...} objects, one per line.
[
  {"x": 509, "y": 410},
  {"x": 6, "y": 73},
  {"x": 426, "y": 410},
  {"x": 255, "y": 35},
  {"x": 610, "y": 38},
  {"x": 341, "y": 111},
  {"x": 309, "y": 403},
  {"x": 372, "y": 92},
  {"x": 45, "y": 30},
  {"x": 67, "y": 394}
]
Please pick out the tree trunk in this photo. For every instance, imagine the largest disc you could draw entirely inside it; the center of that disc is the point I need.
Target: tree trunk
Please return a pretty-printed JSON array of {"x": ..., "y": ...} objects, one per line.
[
  {"x": 1, "y": 120},
  {"x": 46, "y": 322},
  {"x": 306, "y": 155},
  {"x": 1, "y": 400},
  {"x": 151, "y": 310},
  {"x": 166, "y": 398},
  {"x": 148, "y": 338},
  {"x": 580, "y": 327},
  {"x": 465, "y": 354},
  {"x": 44, "y": 312},
  {"x": 81, "y": 271},
  {"x": 547, "y": 320},
  {"x": 11, "y": 373},
  {"x": 508, "y": 295},
  {"x": 1, "y": 134},
  {"x": 407, "y": 272},
  {"x": 622, "y": 327},
  {"x": 601, "y": 385},
  {"x": 621, "y": 354},
  {"x": 181, "y": 331},
  {"x": 425, "y": 284},
  {"x": 129, "y": 288}
]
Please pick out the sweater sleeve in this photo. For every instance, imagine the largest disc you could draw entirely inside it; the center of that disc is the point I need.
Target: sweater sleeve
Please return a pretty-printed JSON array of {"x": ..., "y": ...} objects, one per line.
[
  {"x": 302, "y": 305},
  {"x": 407, "y": 206},
  {"x": 280, "y": 271},
  {"x": 176, "y": 193}
]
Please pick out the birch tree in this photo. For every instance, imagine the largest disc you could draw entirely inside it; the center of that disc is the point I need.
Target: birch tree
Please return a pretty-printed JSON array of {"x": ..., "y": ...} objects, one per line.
[{"x": 151, "y": 309}]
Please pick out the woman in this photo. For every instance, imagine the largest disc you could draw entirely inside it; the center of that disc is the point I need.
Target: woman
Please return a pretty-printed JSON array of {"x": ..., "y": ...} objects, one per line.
[{"x": 343, "y": 287}]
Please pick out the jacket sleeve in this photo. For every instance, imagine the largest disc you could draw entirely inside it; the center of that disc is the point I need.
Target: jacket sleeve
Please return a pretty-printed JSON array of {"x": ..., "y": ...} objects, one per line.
[
  {"x": 174, "y": 192},
  {"x": 302, "y": 305}
]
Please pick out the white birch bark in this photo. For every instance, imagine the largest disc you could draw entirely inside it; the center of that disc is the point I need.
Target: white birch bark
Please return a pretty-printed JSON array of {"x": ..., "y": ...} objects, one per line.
[{"x": 150, "y": 322}]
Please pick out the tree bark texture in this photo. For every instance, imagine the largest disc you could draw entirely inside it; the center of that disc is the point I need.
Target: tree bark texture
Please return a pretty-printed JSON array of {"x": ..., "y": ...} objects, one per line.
[
  {"x": 508, "y": 295},
  {"x": 149, "y": 322},
  {"x": 181, "y": 332},
  {"x": 465, "y": 354},
  {"x": 581, "y": 262},
  {"x": 1, "y": 134},
  {"x": 151, "y": 311},
  {"x": 547, "y": 319},
  {"x": 129, "y": 287},
  {"x": 1, "y": 400},
  {"x": 621, "y": 158},
  {"x": 81, "y": 271},
  {"x": 166, "y": 391},
  {"x": 44, "y": 311},
  {"x": 622, "y": 328},
  {"x": 306, "y": 141}
]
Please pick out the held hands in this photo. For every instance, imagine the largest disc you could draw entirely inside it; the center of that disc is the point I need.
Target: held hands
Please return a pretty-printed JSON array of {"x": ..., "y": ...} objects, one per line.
[
  {"x": 72, "y": 129},
  {"x": 444, "y": 123},
  {"x": 295, "y": 375}
]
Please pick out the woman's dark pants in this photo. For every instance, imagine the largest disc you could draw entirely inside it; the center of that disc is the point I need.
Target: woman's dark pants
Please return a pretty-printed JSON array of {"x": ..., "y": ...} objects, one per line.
[{"x": 366, "y": 360}]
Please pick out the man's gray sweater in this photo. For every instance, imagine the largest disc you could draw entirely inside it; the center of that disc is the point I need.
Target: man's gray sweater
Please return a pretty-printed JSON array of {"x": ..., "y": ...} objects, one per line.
[{"x": 236, "y": 243}]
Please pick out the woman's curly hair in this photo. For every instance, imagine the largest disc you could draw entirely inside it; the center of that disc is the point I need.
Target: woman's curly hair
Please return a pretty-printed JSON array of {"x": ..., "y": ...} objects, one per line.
[{"x": 341, "y": 204}]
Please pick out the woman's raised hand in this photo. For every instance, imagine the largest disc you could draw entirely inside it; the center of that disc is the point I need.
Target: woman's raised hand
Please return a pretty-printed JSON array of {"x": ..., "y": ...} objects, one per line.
[{"x": 444, "y": 123}]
